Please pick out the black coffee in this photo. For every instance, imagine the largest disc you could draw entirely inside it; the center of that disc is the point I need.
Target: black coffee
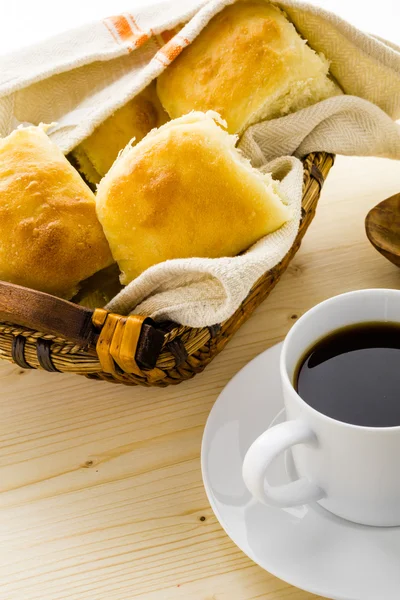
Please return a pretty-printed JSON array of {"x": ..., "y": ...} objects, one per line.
[{"x": 353, "y": 375}]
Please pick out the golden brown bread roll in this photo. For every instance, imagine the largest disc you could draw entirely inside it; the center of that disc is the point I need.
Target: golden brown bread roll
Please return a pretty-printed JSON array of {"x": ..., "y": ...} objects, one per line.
[
  {"x": 185, "y": 191},
  {"x": 248, "y": 64},
  {"x": 96, "y": 154},
  {"x": 50, "y": 237}
]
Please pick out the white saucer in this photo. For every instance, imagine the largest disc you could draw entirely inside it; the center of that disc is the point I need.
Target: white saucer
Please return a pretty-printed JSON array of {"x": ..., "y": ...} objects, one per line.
[{"x": 306, "y": 546}]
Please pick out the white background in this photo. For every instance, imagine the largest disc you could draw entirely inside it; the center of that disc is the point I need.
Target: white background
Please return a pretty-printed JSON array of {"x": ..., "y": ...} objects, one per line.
[{"x": 23, "y": 22}]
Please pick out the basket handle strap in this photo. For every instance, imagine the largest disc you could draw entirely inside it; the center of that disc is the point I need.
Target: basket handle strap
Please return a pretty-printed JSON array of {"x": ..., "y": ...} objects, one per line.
[{"x": 45, "y": 313}]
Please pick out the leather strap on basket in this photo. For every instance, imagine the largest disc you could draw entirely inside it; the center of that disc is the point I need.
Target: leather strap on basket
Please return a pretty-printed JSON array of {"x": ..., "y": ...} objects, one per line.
[
  {"x": 134, "y": 345},
  {"x": 18, "y": 352},
  {"x": 45, "y": 313},
  {"x": 43, "y": 353},
  {"x": 316, "y": 173},
  {"x": 128, "y": 343}
]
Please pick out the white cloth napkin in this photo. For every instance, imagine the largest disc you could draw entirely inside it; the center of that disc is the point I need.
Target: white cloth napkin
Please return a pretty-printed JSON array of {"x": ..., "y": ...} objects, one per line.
[{"x": 81, "y": 77}]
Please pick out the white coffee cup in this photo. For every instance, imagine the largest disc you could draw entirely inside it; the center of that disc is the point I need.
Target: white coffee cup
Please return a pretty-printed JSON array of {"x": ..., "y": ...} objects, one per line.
[{"x": 352, "y": 471}]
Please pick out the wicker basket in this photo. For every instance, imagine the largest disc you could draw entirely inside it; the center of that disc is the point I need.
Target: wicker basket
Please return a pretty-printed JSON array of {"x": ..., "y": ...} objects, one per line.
[{"x": 39, "y": 331}]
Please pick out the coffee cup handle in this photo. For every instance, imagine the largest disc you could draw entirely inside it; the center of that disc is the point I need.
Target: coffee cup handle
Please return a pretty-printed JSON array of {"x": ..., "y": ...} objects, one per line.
[{"x": 262, "y": 452}]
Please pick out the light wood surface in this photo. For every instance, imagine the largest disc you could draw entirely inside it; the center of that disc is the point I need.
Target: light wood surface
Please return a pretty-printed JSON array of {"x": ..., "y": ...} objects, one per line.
[{"x": 101, "y": 492}]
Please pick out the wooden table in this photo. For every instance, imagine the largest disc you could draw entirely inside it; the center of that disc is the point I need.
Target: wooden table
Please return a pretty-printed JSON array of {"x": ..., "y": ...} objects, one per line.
[{"x": 101, "y": 492}]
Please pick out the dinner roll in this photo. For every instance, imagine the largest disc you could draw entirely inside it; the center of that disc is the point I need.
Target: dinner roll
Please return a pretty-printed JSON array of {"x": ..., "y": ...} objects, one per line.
[
  {"x": 185, "y": 191},
  {"x": 96, "y": 154},
  {"x": 248, "y": 64},
  {"x": 50, "y": 237}
]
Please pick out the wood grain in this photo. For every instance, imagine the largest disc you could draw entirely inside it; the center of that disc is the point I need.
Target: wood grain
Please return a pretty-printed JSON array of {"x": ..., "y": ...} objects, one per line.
[{"x": 101, "y": 491}]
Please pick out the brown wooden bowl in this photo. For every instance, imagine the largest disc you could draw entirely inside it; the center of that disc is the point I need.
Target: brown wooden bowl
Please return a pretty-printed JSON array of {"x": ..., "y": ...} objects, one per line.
[{"x": 382, "y": 226}]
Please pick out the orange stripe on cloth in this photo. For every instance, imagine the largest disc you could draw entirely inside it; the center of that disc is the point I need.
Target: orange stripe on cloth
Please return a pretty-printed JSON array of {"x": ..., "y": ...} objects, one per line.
[
  {"x": 164, "y": 37},
  {"x": 111, "y": 30},
  {"x": 126, "y": 31},
  {"x": 141, "y": 35},
  {"x": 133, "y": 23},
  {"x": 172, "y": 49},
  {"x": 168, "y": 35}
]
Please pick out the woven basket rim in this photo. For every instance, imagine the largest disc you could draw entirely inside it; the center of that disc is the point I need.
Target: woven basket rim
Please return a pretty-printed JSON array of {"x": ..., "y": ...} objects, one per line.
[{"x": 182, "y": 349}]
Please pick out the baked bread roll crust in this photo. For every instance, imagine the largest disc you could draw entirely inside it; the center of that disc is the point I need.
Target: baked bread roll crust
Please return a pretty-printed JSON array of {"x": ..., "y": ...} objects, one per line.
[
  {"x": 135, "y": 119},
  {"x": 185, "y": 191},
  {"x": 248, "y": 64},
  {"x": 50, "y": 237}
]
